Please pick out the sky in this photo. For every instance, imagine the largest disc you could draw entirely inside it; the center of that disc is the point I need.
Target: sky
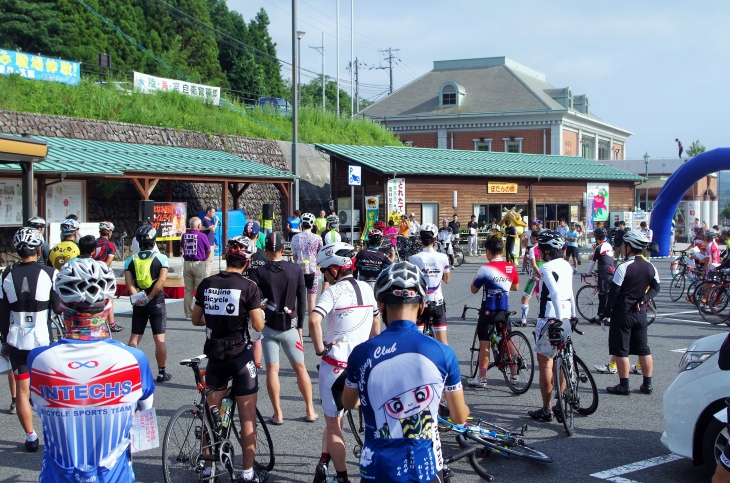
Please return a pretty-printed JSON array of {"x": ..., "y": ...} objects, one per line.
[{"x": 657, "y": 68}]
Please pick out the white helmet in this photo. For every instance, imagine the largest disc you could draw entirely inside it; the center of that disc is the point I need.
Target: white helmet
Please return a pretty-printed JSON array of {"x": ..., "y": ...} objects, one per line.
[
  {"x": 37, "y": 222},
  {"x": 308, "y": 218},
  {"x": 69, "y": 226},
  {"x": 27, "y": 236},
  {"x": 429, "y": 230},
  {"x": 636, "y": 240},
  {"x": 336, "y": 255},
  {"x": 85, "y": 280},
  {"x": 106, "y": 226},
  {"x": 551, "y": 238}
]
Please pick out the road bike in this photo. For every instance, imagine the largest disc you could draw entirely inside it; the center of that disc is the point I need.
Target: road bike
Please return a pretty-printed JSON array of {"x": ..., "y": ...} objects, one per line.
[
  {"x": 586, "y": 300},
  {"x": 119, "y": 247},
  {"x": 406, "y": 247},
  {"x": 681, "y": 271},
  {"x": 712, "y": 304},
  {"x": 457, "y": 258},
  {"x": 575, "y": 389},
  {"x": 194, "y": 448},
  {"x": 511, "y": 354}
]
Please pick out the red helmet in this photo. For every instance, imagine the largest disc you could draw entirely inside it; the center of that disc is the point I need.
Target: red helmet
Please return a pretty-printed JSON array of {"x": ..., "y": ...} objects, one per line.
[{"x": 379, "y": 225}]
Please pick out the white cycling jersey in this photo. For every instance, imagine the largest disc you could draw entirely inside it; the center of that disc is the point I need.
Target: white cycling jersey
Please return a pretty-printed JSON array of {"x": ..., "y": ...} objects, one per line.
[
  {"x": 556, "y": 289},
  {"x": 433, "y": 265}
]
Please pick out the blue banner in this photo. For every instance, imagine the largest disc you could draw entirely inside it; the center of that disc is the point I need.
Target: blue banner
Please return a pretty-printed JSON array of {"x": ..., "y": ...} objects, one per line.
[{"x": 39, "y": 68}]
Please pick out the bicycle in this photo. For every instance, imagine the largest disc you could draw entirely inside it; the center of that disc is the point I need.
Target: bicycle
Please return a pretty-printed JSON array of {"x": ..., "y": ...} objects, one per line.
[
  {"x": 407, "y": 246},
  {"x": 511, "y": 354},
  {"x": 681, "y": 271},
  {"x": 58, "y": 327},
  {"x": 572, "y": 373},
  {"x": 457, "y": 258},
  {"x": 193, "y": 443},
  {"x": 119, "y": 247},
  {"x": 586, "y": 300},
  {"x": 714, "y": 302}
]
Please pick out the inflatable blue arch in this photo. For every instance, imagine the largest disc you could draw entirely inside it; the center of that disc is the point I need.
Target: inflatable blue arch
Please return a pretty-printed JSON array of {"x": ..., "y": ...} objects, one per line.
[{"x": 675, "y": 188}]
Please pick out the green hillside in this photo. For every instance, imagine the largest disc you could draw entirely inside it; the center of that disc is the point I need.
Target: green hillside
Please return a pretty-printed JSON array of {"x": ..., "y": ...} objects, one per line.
[{"x": 173, "y": 110}]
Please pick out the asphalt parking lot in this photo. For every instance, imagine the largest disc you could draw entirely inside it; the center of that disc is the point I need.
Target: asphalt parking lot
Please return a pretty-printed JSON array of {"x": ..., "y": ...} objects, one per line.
[{"x": 620, "y": 442}]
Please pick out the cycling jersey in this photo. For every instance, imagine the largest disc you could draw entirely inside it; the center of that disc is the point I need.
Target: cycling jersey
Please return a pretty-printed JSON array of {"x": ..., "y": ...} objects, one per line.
[
  {"x": 226, "y": 299},
  {"x": 712, "y": 251},
  {"x": 634, "y": 281},
  {"x": 444, "y": 234},
  {"x": 282, "y": 285},
  {"x": 556, "y": 290},
  {"x": 370, "y": 262},
  {"x": 348, "y": 307},
  {"x": 602, "y": 258},
  {"x": 86, "y": 393},
  {"x": 104, "y": 248},
  {"x": 332, "y": 236},
  {"x": 258, "y": 260},
  {"x": 62, "y": 253},
  {"x": 433, "y": 265},
  {"x": 497, "y": 277},
  {"x": 400, "y": 376},
  {"x": 28, "y": 295},
  {"x": 306, "y": 246}
]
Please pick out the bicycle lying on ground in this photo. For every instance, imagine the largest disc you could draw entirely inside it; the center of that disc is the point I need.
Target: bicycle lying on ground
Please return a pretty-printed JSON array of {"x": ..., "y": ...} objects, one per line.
[
  {"x": 193, "y": 446},
  {"x": 512, "y": 355},
  {"x": 575, "y": 389}
]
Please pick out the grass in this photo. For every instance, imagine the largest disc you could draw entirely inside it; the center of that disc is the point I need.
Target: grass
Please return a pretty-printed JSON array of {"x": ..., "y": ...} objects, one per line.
[{"x": 173, "y": 110}]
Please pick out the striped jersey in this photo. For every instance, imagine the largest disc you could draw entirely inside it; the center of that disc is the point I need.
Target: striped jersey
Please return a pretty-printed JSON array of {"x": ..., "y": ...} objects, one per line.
[
  {"x": 85, "y": 393},
  {"x": 27, "y": 296},
  {"x": 433, "y": 265},
  {"x": 496, "y": 277}
]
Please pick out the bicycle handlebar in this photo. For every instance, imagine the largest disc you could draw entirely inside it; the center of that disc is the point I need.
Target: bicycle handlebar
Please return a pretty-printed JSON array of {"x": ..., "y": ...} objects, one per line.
[{"x": 463, "y": 312}]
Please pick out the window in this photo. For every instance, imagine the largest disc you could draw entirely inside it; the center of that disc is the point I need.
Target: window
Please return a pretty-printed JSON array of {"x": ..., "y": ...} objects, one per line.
[
  {"x": 482, "y": 144},
  {"x": 604, "y": 152},
  {"x": 448, "y": 96},
  {"x": 512, "y": 145},
  {"x": 408, "y": 144},
  {"x": 588, "y": 148}
]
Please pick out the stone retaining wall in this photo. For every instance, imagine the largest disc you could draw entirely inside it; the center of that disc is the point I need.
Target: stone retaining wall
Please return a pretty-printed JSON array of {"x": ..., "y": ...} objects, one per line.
[{"x": 117, "y": 201}]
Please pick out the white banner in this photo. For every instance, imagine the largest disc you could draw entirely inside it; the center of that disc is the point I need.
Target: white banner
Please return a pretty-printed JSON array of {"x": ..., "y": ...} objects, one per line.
[
  {"x": 397, "y": 196},
  {"x": 149, "y": 84}
]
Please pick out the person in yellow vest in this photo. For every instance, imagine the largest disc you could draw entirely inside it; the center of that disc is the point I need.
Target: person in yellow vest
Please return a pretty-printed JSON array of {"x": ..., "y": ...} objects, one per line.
[
  {"x": 267, "y": 226},
  {"x": 320, "y": 224},
  {"x": 67, "y": 249}
]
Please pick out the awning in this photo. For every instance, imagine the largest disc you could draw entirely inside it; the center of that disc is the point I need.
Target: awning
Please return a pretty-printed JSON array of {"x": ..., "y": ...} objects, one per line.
[{"x": 652, "y": 184}]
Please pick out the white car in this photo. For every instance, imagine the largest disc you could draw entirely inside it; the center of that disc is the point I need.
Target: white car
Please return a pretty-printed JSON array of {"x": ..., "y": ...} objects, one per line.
[{"x": 691, "y": 427}]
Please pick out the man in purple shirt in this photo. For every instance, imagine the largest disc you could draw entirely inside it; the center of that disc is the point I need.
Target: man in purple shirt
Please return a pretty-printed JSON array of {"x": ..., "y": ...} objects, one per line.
[
  {"x": 195, "y": 249},
  {"x": 210, "y": 224}
]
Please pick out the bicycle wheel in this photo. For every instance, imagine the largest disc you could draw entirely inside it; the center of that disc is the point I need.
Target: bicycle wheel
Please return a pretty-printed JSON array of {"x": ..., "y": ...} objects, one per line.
[
  {"x": 650, "y": 312},
  {"x": 506, "y": 443},
  {"x": 586, "y": 400},
  {"x": 458, "y": 256},
  {"x": 474, "y": 356},
  {"x": 716, "y": 304},
  {"x": 356, "y": 428},
  {"x": 58, "y": 329},
  {"x": 564, "y": 396},
  {"x": 517, "y": 364},
  {"x": 185, "y": 442},
  {"x": 676, "y": 286},
  {"x": 468, "y": 451},
  {"x": 691, "y": 290},
  {"x": 586, "y": 300}
]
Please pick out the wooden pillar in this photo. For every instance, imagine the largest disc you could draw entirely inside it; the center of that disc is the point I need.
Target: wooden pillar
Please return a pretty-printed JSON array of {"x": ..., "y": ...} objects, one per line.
[
  {"x": 168, "y": 197},
  {"x": 234, "y": 190},
  {"x": 41, "y": 200}
]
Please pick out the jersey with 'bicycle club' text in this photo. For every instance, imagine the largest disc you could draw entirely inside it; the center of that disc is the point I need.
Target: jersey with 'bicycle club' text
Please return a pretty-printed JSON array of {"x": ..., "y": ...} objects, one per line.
[{"x": 86, "y": 393}]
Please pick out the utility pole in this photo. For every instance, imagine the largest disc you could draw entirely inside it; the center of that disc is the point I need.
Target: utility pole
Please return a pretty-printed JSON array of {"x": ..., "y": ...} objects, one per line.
[
  {"x": 390, "y": 58},
  {"x": 337, "y": 76},
  {"x": 352, "y": 55},
  {"x": 294, "y": 205},
  {"x": 357, "y": 87},
  {"x": 320, "y": 49}
]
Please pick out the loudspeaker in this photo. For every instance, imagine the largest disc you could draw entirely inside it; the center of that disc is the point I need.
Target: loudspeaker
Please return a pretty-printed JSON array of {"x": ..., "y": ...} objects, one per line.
[
  {"x": 146, "y": 210},
  {"x": 267, "y": 210}
]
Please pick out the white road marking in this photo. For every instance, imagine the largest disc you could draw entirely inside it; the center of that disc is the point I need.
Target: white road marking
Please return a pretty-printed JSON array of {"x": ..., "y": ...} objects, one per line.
[
  {"x": 682, "y": 351},
  {"x": 614, "y": 473},
  {"x": 677, "y": 313},
  {"x": 690, "y": 321}
]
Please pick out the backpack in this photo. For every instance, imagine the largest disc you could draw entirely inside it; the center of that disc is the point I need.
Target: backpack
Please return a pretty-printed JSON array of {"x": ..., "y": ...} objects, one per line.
[{"x": 143, "y": 270}]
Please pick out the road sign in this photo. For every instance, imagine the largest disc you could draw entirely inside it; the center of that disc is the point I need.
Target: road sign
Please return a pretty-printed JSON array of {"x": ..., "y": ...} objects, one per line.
[{"x": 354, "y": 177}]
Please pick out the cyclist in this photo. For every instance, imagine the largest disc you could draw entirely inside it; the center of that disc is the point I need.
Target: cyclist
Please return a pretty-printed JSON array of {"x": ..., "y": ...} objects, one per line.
[
  {"x": 444, "y": 236},
  {"x": 67, "y": 249},
  {"x": 532, "y": 287},
  {"x": 26, "y": 299},
  {"x": 104, "y": 253},
  {"x": 602, "y": 261},
  {"x": 527, "y": 240},
  {"x": 284, "y": 293},
  {"x": 304, "y": 247},
  {"x": 399, "y": 377},
  {"x": 352, "y": 317},
  {"x": 371, "y": 261},
  {"x": 333, "y": 235},
  {"x": 556, "y": 303},
  {"x": 90, "y": 414},
  {"x": 224, "y": 304},
  {"x": 710, "y": 255},
  {"x": 40, "y": 224},
  {"x": 145, "y": 275},
  {"x": 435, "y": 267},
  {"x": 496, "y": 278},
  {"x": 634, "y": 284}
]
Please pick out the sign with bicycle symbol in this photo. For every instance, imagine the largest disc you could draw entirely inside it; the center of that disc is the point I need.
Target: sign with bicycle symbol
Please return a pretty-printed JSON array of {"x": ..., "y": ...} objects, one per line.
[{"x": 354, "y": 176}]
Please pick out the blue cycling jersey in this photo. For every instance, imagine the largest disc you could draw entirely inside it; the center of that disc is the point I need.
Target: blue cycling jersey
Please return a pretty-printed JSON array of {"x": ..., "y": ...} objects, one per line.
[
  {"x": 401, "y": 375},
  {"x": 85, "y": 393}
]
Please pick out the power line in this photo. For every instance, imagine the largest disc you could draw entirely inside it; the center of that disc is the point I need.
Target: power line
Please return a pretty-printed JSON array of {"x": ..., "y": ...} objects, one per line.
[{"x": 390, "y": 58}]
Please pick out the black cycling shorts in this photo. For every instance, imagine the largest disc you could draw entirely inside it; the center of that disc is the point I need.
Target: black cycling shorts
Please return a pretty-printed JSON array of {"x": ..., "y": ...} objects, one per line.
[
  {"x": 337, "y": 389},
  {"x": 242, "y": 370},
  {"x": 155, "y": 313},
  {"x": 572, "y": 252},
  {"x": 438, "y": 312},
  {"x": 309, "y": 280},
  {"x": 627, "y": 334},
  {"x": 487, "y": 322},
  {"x": 19, "y": 362}
]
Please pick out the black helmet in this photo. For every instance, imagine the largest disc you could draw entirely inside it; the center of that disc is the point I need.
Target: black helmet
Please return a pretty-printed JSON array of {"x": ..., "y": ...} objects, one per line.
[
  {"x": 551, "y": 238},
  {"x": 146, "y": 233},
  {"x": 600, "y": 233},
  {"x": 401, "y": 282}
]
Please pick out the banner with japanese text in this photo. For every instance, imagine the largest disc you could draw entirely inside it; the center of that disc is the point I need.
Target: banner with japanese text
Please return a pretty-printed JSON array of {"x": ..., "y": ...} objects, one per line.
[
  {"x": 396, "y": 196},
  {"x": 37, "y": 67},
  {"x": 169, "y": 220},
  {"x": 150, "y": 84},
  {"x": 372, "y": 205}
]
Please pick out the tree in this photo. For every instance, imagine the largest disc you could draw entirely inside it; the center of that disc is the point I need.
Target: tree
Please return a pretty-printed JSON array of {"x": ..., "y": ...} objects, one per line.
[
  {"x": 261, "y": 40},
  {"x": 312, "y": 96},
  {"x": 725, "y": 213},
  {"x": 32, "y": 26},
  {"x": 695, "y": 148}
]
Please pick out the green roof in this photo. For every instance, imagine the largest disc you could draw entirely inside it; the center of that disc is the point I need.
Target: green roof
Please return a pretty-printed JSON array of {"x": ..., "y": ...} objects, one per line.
[
  {"x": 453, "y": 162},
  {"x": 106, "y": 158}
]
